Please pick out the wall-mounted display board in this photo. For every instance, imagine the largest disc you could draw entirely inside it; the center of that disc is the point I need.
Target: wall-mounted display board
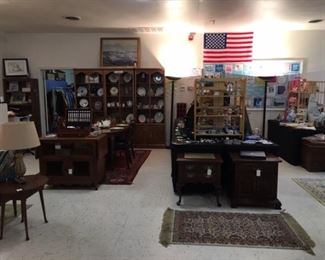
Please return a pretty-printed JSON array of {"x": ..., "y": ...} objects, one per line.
[{"x": 283, "y": 70}]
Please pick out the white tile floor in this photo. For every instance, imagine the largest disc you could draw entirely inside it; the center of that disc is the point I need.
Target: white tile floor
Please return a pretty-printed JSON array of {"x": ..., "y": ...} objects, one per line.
[{"x": 123, "y": 222}]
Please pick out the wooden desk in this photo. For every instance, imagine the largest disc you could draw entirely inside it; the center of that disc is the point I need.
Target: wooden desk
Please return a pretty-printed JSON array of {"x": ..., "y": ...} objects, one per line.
[{"x": 14, "y": 191}]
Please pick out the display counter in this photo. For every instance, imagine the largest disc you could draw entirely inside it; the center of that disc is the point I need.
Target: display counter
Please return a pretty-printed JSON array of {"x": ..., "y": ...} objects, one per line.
[{"x": 289, "y": 140}]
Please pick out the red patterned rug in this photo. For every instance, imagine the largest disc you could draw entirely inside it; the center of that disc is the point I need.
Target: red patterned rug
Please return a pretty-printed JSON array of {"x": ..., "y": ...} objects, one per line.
[
  {"x": 234, "y": 229},
  {"x": 121, "y": 174}
]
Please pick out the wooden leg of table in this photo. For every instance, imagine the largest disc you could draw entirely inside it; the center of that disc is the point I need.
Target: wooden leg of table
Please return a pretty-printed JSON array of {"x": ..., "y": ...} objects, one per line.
[
  {"x": 24, "y": 214},
  {"x": 179, "y": 189},
  {"x": 14, "y": 204},
  {"x": 21, "y": 210},
  {"x": 3, "y": 206},
  {"x": 43, "y": 206}
]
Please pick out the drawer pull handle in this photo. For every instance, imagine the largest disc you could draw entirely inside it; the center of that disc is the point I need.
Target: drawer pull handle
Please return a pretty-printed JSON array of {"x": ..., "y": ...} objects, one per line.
[
  {"x": 258, "y": 173},
  {"x": 209, "y": 172}
]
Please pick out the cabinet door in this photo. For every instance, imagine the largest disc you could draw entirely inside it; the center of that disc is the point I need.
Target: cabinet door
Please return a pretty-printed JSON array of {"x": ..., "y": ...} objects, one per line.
[
  {"x": 245, "y": 180},
  {"x": 149, "y": 135},
  {"x": 267, "y": 182}
]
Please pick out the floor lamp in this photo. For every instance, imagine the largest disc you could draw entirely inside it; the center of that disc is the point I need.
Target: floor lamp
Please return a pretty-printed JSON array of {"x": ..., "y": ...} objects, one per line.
[
  {"x": 172, "y": 79},
  {"x": 266, "y": 80}
]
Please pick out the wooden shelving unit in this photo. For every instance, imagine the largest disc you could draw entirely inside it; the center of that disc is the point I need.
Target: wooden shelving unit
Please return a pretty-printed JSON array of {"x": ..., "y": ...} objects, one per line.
[
  {"x": 22, "y": 96},
  {"x": 219, "y": 107}
]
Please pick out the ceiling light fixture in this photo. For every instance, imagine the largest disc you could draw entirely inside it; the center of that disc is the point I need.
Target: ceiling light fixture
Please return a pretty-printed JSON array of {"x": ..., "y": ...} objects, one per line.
[
  {"x": 315, "y": 21},
  {"x": 72, "y": 18}
]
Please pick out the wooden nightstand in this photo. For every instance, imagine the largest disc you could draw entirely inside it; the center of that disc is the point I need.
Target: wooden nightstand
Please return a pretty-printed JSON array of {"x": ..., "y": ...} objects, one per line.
[
  {"x": 254, "y": 182},
  {"x": 199, "y": 169}
]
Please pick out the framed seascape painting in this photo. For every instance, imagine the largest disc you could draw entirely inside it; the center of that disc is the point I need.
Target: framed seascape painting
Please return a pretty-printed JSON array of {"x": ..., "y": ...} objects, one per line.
[
  {"x": 15, "y": 68},
  {"x": 120, "y": 52}
]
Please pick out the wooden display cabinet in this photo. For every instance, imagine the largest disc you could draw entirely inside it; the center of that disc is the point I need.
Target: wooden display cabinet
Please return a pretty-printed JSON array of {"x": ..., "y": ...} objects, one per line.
[
  {"x": 253, "y": 182},
  {"x": 150, "y": 107},
  {"x": 120, "y": 94},
  {"x": 219, "y": 107},
  {"x": 74, "y": 160},
  {"x": 90, "y": 92},
  {"x": 22, "y": 97}
]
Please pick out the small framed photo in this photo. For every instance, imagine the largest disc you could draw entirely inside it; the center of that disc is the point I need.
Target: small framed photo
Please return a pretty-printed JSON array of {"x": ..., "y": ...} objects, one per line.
[
  {"x": 13, "y": 86},
  {"x": 15, "y": 68},
  {"x": 18, "y": 98},
  {"x": 120, "y": 52}
]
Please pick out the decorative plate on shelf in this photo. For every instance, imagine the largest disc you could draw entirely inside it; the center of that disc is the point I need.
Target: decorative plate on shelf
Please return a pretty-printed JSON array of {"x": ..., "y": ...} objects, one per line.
[
  {"x": 114, "y": 91},
  {"x": 113, "y": 77},
  {"x": 141, "y": 91},
  {"x": 129, "y": 118},
  {"x": 100, "y": 92},
  {"x": 142, "y": 118},
  {"x": 83, "y": 102},
  {"x": 98, "y": 105},
  {"x": 158, "y": 78},
  {"x": 159, "y": 117},
  {"x": 127, "y": 77},
  {"x": 160, "y": 103},
  {"x": 159, "y": 91},
  {"x": 82, "y": 91}
]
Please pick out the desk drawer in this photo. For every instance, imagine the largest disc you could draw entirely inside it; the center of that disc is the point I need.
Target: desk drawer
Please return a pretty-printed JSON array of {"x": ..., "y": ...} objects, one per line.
[{"x": 198, "y": 172}]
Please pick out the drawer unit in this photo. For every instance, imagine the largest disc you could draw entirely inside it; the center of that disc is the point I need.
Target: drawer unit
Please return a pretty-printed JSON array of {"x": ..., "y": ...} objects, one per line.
[
  {"x": 254, "y": 181},
  {"x": 199, "y": 169}
]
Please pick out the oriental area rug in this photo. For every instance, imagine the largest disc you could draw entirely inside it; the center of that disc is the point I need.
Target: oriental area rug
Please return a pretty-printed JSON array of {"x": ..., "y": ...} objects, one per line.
[
  {"x": 315, "y": 187},
  {"x": 278, "y": 230},
  {"x": 121, "y": 174}
]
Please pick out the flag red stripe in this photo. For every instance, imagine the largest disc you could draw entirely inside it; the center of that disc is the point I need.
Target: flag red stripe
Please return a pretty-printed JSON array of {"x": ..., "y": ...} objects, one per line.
[
  {"x": 241, "y": 42},
  {"x": 224, "y": 52},
  {"x": 226, "y": 56},
  {"x": 239, "y": 38},
  {"x": 226, "y": 61}
]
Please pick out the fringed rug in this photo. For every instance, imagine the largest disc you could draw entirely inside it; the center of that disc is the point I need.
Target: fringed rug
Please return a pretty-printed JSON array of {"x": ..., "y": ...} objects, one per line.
[
  {"x": 315, "y": 187},
  {"x": 233, "y": 229},
  {"x": 121, "y": 174}
]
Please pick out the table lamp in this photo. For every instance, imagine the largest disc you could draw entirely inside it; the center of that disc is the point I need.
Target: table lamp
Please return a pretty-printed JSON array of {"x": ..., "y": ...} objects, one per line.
[{"x": 18, "y": 136}]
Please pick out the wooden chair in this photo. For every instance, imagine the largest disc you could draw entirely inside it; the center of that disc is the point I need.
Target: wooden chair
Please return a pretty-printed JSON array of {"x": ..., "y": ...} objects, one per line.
[{"x": 122, "y": 144}]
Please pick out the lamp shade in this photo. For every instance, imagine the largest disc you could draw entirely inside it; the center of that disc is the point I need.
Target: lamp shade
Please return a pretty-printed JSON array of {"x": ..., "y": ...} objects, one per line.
[{"x": 18, "y": 135}]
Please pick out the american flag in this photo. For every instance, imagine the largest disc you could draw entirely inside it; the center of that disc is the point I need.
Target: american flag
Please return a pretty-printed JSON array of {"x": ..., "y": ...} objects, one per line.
[{"x": 228, "y": 47}]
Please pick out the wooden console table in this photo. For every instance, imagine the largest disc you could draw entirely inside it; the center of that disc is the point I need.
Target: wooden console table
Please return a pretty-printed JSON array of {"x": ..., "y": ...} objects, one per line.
[
  {"x": 199, "y": 169},
  {"x": 73, "y": 160},
  {"x": 14, "y": 191}
]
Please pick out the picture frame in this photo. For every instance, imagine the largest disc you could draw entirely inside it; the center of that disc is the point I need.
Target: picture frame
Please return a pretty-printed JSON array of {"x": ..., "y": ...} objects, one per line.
[
  {"x": 17, "y": 98},
  {"x": 15, "y": 67},
  {"x": 120, "y": 52}
]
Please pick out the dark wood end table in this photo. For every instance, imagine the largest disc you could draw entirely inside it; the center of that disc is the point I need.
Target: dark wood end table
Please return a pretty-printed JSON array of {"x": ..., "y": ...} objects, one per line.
[{"x": 14, "y": 191}]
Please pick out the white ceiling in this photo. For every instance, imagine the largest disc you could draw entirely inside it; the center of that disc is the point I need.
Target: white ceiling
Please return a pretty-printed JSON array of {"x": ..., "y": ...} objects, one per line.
[{"x": 151, "y": 15}]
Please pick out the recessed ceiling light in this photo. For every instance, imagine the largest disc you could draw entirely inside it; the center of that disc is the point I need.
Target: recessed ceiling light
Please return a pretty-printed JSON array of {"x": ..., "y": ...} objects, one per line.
[
  {"x": 315, "y": 21},
  {"x": 73, "y": 18}
]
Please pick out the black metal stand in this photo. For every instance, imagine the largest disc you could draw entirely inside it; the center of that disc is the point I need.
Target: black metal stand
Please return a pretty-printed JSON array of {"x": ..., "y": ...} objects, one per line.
[{"x": 173, "y": 79}]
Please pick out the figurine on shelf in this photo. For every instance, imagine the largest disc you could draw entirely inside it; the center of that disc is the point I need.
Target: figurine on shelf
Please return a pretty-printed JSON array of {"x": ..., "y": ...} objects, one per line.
[{"x": 291, "y": 117}]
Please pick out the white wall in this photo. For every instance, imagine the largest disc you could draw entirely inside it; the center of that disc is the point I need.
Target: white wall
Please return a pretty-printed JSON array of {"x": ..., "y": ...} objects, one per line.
[
  {"x": 1, "y": 55},
  {"x": 173, "y": 52}
]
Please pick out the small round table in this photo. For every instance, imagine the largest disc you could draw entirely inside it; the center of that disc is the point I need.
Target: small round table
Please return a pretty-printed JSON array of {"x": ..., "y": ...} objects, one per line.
[{"x": 15, "y": 191}]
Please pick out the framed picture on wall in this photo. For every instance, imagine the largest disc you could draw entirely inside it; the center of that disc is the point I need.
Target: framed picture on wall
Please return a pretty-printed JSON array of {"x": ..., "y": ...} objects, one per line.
[
  {"x": 15, "y": 68},
  {"x": 120, "y": 52}
]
